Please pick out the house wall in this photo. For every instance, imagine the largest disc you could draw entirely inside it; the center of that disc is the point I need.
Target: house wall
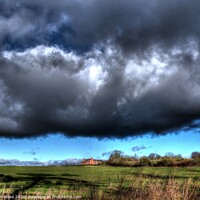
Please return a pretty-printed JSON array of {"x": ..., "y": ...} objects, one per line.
[{"x": 90, "y": 162}]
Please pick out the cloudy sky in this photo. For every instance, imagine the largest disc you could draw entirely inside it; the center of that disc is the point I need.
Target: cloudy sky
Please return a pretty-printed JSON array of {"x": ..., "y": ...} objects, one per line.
[{"x": 76, "y": 72}]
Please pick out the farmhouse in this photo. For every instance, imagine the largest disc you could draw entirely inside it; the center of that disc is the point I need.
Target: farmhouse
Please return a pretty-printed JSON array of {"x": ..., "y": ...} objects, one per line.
[{"x": 91, "y": 161}]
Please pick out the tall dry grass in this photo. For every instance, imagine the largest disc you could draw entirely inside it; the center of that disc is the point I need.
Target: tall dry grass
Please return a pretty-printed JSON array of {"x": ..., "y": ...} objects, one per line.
[{"x": 143, "y": 188}]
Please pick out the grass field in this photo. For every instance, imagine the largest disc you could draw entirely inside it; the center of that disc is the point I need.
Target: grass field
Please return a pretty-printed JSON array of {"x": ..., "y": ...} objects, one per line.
[{"x": 101, "y": 182}]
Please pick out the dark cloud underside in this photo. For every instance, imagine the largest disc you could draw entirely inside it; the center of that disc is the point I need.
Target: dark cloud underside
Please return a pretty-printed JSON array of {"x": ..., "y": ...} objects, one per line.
[{"x": 98, "y": 68}]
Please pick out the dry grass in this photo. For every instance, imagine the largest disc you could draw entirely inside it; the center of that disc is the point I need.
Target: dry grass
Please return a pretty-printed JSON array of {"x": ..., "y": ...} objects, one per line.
[{"x": 148, "y": 189}]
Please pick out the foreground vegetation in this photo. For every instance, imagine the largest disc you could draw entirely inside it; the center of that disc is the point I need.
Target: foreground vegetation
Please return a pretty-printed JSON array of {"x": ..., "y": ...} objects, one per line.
[{"x": 100, "y": 182}]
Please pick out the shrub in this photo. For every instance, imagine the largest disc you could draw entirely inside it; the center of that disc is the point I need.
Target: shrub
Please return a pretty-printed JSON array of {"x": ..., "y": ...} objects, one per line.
[{"x": 145, "y": 161}]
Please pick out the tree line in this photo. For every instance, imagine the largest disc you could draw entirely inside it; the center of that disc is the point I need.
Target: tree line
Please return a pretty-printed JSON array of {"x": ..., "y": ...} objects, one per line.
[{"x": 117, "y": 158}]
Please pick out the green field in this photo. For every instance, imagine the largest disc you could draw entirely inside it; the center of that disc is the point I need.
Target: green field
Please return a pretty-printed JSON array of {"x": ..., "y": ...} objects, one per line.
[{"x": 94, "y": 181}]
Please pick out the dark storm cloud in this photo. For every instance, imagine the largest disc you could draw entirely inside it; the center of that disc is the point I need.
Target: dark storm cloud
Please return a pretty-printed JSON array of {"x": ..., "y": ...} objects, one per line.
[
  {"x": 101, "y": 94},
  {"x": 99, "y": 68},
  {"x": 79, "y": 24}
]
